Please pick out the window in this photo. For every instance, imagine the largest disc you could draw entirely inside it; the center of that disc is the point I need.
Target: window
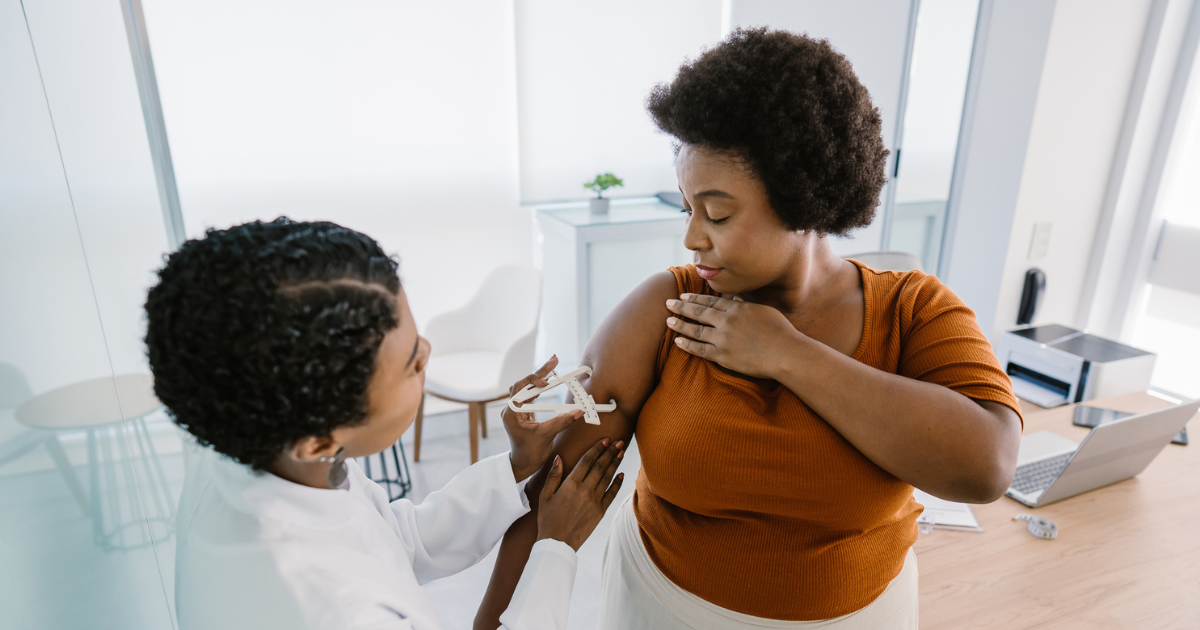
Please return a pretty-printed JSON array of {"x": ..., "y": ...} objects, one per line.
[{"x": 1168, "y": 323}]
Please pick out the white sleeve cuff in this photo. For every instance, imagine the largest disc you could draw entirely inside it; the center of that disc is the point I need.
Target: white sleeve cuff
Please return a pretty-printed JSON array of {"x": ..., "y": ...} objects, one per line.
[
  {"x": 543, "y": 595},
  {"x": 521, "y": 491},
  {"x": 558, "y": 548}
]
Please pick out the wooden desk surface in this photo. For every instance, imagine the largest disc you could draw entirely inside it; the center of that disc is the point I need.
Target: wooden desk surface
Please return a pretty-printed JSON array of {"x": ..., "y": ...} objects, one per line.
[{"x": 1127, "y": 556}]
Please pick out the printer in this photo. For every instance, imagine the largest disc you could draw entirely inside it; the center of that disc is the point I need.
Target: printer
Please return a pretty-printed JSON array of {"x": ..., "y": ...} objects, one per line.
[{"x": 1054, "y": 365}]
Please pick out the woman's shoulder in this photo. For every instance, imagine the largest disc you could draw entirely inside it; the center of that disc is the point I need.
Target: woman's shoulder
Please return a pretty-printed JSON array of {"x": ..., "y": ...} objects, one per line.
[{"x": 911, "y": 290}]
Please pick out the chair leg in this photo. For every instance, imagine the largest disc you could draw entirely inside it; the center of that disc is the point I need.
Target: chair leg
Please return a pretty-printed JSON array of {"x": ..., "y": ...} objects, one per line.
[
  {"x": 417, "y": 430},
  {"x": 483, "y": 419},
  {"x": 473, "y": 429}
]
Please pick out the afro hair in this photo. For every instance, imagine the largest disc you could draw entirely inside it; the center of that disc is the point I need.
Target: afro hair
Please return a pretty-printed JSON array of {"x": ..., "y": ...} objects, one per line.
[
  {"x": 790, "y": 108},
  {"x": 264, "y": 333}
]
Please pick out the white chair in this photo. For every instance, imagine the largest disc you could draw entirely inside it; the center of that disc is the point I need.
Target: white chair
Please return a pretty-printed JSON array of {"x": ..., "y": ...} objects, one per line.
[
  {"x": 888, "y": 261},
  {"x": 481, "y": 349}
]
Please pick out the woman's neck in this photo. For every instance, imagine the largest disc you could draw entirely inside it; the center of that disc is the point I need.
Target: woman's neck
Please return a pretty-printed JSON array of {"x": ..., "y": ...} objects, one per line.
[{"x": 808, "y": 281}]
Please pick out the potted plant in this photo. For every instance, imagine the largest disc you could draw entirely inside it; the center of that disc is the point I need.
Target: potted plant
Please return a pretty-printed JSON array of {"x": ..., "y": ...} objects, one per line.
[{"x": 599, "y": 205}]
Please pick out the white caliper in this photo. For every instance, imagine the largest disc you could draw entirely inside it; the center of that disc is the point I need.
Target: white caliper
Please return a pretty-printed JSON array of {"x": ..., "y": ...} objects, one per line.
[{"x": 583, "y": 400}]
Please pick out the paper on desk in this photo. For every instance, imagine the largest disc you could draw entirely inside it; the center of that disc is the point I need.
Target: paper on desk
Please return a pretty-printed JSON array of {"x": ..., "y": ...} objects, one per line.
[{"x": 946, "y": 514}]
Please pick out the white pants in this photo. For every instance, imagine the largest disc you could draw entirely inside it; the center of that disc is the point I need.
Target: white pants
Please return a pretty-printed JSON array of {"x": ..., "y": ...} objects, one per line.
[{"x": 637, "y": 595}]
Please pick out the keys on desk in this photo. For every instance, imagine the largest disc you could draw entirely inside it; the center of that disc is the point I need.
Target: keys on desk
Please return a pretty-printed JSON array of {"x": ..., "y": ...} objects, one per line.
[{"x": 1037, "y": 475}]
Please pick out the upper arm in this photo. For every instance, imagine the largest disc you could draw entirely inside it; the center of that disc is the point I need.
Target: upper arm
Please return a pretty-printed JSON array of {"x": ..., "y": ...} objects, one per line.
[
  {"x": 623, "y": 354},
  {"x": 944, "y": 345}
]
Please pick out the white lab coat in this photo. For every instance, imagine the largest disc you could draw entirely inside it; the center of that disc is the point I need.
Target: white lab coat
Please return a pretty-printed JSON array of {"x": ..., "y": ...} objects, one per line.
[{"x": 258, "y": 552}]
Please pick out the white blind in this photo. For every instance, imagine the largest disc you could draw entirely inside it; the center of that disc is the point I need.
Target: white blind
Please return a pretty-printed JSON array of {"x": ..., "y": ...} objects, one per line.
[
  {"x": 583, "y": 72},
  {"x": 394, "y": 118}
]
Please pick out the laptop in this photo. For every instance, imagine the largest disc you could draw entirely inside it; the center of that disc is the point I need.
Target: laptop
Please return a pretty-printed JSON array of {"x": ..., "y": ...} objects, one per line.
[{"x": 1051, "y": 467}]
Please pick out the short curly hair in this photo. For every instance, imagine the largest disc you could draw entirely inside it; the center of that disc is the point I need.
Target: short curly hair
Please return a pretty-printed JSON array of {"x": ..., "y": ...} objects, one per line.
[
  {"x": 264, "y": 333},
  {"x": 790, "y": 108}
]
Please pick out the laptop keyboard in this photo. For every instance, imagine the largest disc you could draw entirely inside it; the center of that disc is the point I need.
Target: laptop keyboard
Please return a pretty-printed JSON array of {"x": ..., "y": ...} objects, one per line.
[{"x": 1038, "y": 475}]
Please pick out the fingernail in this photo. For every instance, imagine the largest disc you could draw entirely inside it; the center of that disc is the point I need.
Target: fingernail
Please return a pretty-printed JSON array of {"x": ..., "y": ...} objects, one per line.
[
  {"x": 604, "y": 441},
  {"x": 621, "y": 454},
  {"x": 620, "y": 444},
  {"x": 672, "y": 302},
  {"x": 557, "y": 460},
  {"x": 679, "y": 341},
  {"x": 622, "y": 475},
  {"x": 671, "y": 321},
  {"x": 685, "y": 296}
]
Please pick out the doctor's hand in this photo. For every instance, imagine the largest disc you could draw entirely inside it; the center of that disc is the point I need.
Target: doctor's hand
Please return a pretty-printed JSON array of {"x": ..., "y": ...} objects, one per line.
[
  {"x": 531, "y": 440},
  {"x": 572, "y": 507}
]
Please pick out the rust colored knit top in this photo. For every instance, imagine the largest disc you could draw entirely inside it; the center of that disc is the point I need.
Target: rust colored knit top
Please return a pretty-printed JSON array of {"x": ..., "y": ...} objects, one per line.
[{"x": 749, "y": 500}]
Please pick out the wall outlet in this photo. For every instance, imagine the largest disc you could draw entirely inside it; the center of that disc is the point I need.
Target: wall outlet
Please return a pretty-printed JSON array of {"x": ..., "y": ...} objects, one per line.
[{"x": 1040, "y": 245}]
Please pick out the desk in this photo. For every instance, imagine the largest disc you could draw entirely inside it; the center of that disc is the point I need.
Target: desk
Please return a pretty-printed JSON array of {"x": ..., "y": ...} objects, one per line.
[
  {"x": 590, "y": 262},
  {"x": 1127, "y": 555}
]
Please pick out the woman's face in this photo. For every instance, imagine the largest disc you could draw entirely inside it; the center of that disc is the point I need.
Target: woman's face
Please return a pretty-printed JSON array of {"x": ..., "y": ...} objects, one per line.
[
  {"x": 395, "y": 390},
  {"x": 738, "y": 242}
]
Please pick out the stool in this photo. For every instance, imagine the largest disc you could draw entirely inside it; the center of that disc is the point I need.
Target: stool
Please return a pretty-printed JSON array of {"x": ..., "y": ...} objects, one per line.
[
  {"x": 127, "y": 510},
  {"x": 390, "y": 471}
]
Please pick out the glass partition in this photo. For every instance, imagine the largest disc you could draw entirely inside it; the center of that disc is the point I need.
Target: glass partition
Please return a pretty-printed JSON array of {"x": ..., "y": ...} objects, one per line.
[
  {"x": 933, "y": 114},
  {"x": 90, "y": 468}
]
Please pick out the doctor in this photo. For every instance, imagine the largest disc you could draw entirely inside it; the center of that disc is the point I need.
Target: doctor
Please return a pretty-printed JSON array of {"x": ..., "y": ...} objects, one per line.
[{"x": 288, "y": 349}]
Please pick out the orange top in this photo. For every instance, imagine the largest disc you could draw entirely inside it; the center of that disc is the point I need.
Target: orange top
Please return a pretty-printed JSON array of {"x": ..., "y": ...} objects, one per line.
[{"x": 749, "y": 500}]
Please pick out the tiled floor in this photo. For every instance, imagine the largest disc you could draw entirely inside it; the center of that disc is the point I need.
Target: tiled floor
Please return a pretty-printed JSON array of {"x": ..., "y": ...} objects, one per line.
[{"x": 53, "y": 576}]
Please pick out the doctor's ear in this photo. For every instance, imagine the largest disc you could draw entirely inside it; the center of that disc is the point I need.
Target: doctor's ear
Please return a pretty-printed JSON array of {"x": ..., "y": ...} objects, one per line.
[{"x": 311, "y": 449}]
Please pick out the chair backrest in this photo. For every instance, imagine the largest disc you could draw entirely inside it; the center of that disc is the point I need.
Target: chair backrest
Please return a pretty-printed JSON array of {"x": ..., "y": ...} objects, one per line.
[
  {"x": 504, "y": 310},
  {"x": 14, "y": 387},
  {"x": 888, "y": 261}
]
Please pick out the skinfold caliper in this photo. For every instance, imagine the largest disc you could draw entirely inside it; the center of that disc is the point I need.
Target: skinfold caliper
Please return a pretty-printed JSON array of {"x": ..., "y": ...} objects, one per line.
[{"x": 583, "y": 400}]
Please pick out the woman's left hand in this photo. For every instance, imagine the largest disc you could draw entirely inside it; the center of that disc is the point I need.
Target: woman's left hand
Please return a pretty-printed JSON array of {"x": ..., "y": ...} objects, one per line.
[{"x": 740, "y": 336}]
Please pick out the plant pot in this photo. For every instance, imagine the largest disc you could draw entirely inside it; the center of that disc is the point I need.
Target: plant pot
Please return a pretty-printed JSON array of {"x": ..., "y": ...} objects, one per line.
[{"x": 598, "y": 205}]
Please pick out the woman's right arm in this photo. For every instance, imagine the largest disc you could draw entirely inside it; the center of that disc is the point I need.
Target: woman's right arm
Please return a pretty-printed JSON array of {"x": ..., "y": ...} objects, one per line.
[{"x": 622, "y": 355}]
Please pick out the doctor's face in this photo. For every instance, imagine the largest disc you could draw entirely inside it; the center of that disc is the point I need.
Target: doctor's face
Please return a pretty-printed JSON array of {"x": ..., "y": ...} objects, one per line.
[{"x": 394, "y": 393}]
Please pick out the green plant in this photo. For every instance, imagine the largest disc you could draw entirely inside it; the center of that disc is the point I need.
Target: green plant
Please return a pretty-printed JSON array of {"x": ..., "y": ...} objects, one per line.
[{"x": 603, "y": 183}]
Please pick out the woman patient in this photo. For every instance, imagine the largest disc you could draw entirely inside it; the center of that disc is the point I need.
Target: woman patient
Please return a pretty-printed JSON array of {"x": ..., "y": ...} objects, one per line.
[
  {"x": 287, "y": 349},
  {"x": 785, "y": 401}
]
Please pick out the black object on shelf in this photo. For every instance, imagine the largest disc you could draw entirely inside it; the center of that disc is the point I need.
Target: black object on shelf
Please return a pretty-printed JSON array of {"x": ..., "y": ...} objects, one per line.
[
  {"x": 1031, "y": 296},
  {"x": 389, "y": 468},
  {"x": 671, "y": 198}
]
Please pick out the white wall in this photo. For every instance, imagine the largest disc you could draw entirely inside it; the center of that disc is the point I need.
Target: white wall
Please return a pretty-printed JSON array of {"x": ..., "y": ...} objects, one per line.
[
  {"x": 1091, "y": 58},
  {"x": 584, "y": 69},
  {"x": 1006, "y": 67}
]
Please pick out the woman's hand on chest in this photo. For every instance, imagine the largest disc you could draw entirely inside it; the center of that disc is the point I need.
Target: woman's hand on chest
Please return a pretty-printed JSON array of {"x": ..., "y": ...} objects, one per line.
[{"x": 753, "y": 339}]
